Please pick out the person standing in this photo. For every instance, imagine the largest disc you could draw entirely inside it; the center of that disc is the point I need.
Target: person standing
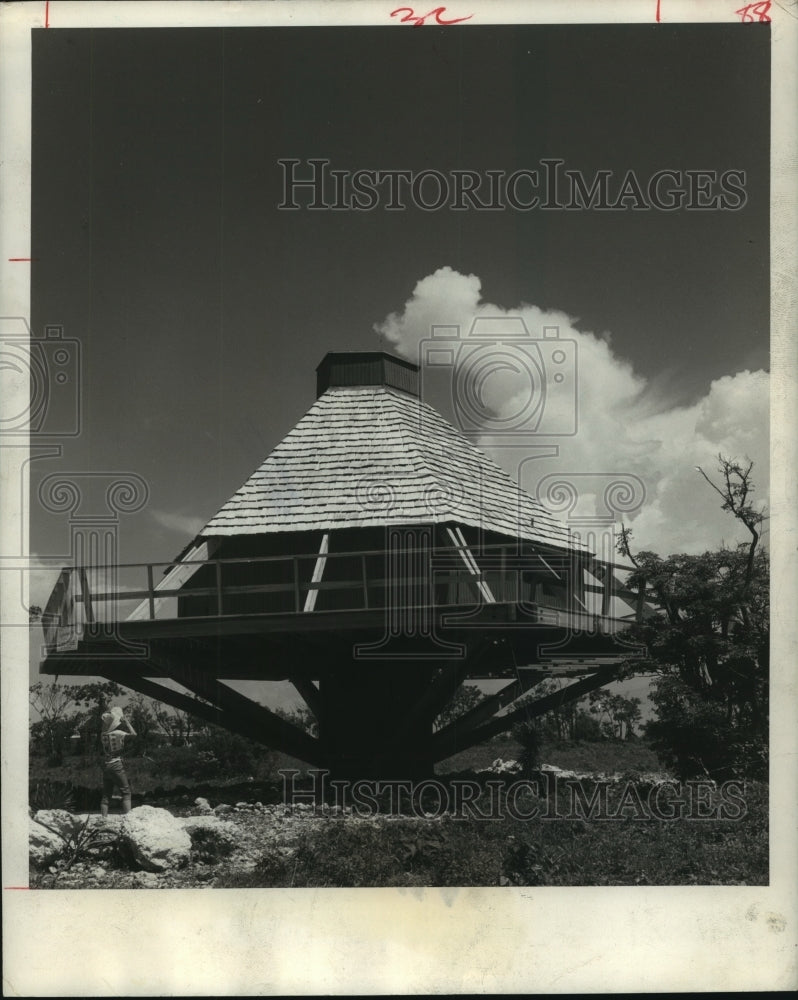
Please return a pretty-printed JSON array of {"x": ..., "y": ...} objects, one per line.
[{"x": 115, "y": 729}]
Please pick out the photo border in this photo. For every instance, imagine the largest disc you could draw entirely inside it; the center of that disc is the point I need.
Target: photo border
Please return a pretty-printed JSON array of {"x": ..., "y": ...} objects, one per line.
[{"x": 333, "y": 941}]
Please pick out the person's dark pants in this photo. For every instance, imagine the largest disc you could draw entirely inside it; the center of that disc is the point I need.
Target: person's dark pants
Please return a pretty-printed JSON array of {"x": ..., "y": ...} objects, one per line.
[{"x": 114, "y": 777}]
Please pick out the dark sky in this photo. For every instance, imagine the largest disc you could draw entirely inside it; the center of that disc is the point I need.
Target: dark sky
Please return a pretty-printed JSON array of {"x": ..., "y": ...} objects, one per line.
[{"x": 202, "y": 310}]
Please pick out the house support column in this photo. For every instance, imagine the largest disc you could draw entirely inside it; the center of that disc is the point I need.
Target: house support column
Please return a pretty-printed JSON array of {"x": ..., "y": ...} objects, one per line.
[{"x": 363, "y": 724}]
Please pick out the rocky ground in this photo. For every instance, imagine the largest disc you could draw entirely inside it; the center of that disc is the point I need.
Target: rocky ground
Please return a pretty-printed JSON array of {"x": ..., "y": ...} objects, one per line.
[
  {"x": 193, "y": 844},
  {"x": 251, "y": 830}
]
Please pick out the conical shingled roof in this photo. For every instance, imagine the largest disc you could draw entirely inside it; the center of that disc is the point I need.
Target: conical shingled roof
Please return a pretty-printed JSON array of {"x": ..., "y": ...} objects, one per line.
[{"x": 372, "y": 455}]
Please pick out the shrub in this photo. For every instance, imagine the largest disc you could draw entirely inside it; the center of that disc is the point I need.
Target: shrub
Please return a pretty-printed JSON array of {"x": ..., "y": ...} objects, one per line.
[
  {"x": 220, "y": 752},
  {"x": 693, "y": 735},
  {"x": 530, "y": 739},
  {"x": 82, "y": 840},
  {"x": 46, "y": 794},
  {"x": 586, "y": 727},
  {"x": 210, "y": 844},
  {"x": 175, "y": 761},
  {"x": 214, "y": 753}
]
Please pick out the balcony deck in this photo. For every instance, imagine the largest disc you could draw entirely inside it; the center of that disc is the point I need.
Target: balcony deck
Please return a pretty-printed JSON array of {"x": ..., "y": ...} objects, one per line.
[{"x": 246, "y": 616}]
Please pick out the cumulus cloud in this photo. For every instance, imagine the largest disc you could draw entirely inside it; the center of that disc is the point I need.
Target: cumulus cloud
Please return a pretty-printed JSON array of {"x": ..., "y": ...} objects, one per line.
[{"x": 624, "y": 425}]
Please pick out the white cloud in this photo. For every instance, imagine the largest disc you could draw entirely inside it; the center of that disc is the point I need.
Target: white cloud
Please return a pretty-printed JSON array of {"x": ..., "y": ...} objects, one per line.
[
  {"x": 624, "y": 424},
  {"x": 183, "y": 524}
]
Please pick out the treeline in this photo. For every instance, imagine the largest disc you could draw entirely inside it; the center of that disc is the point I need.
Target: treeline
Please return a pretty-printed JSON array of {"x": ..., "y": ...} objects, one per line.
[
  {"x": 599, "y": 715},
  {"x": 175, "y": 742}
]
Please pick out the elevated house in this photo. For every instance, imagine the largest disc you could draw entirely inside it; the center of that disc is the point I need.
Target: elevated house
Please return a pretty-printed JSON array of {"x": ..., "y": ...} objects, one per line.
[{"x": 376, "y": 559}]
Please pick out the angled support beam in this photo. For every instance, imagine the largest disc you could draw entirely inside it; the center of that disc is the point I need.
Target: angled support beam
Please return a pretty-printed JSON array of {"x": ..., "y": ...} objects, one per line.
[
  {"x": 309, "y": 692},
  {"x": 442, "y": 690},
  {"x": 180, "y": 573},
  {"x": 137, "y": 682},
  {"x": 458, "y": 541},
  {"x": 488, "y": 707},
  {"x": 614, "y": 586},
  {"x": 197, "y": 674},
  {"x": 129, "y": 678},
  {"x": 85, "y": 595},
  {"x": 210, "y": 713},
  {"x": 275, "y": 731},
  {"x": 550, "y": 568},
  {"x": 606, "y": 593},
  {"x": 437, "y": 694},
  {"x": 448, "y": 742},
  {"x": 318, "y": 572}
]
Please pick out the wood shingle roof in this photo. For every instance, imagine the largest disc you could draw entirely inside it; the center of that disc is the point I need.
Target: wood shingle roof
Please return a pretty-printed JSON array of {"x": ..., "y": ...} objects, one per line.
[{"x": 373, "y": 455}]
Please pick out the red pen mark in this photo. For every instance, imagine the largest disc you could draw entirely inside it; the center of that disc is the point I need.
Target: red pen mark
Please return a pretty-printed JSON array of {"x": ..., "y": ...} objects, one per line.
[
  {"x": 17, "y": 260},
  {"x": 416, "y": 19},
  {"x": 26, "y": 888},
  {"x": 758, "y": 12},
  {"x": 658, "y": 3},
  {"x": 47, "y": 14}
]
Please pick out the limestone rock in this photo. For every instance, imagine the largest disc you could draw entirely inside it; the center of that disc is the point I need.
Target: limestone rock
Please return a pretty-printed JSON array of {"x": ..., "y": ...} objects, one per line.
[
  {"x": 147, "y": 880},
  {"x": 44, "y": 846},
  {"x": 59, "y": 820},
  {"x": 500, "y": 766},
  {"x": 222, "y": 808},
  {"x": 203, "y": 805},
  {"x": 155, "y": 839}
]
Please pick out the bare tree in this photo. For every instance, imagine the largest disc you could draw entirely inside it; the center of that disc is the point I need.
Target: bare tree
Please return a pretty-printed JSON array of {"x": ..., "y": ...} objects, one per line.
[
  {"x": 736, "y": 493},
  {"x": 178, "y": 725},
  {"x": 50, "y": 702}
]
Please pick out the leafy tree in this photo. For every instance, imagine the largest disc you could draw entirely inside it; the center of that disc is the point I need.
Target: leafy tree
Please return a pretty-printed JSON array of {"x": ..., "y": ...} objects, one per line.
[
  {"x": 616, "y": 715},
  {"x": 583, "y": 725},
  {"x": 710, "y": 644},
  {"x": 554, "y": 724},
  {"x": 96, "y": 696},
  {"x": 141, "y": 712},
  {"x": 94, "y": 699},
  {"x": 569, "y": 721}
]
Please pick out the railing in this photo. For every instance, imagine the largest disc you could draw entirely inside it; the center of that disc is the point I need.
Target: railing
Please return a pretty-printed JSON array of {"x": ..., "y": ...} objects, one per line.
[{"x": 549, "y": 588}]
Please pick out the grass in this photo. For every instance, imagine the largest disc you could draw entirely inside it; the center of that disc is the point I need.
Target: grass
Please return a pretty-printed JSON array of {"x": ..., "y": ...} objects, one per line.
[
  {"x": 513, "y": 852},
  {"x": 649, "y": 852},
  {"x": 446, "y": 852}
]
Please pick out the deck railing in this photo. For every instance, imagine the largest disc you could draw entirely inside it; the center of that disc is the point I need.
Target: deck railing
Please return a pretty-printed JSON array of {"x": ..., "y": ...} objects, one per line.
[{"x": 351, "y": 581}]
